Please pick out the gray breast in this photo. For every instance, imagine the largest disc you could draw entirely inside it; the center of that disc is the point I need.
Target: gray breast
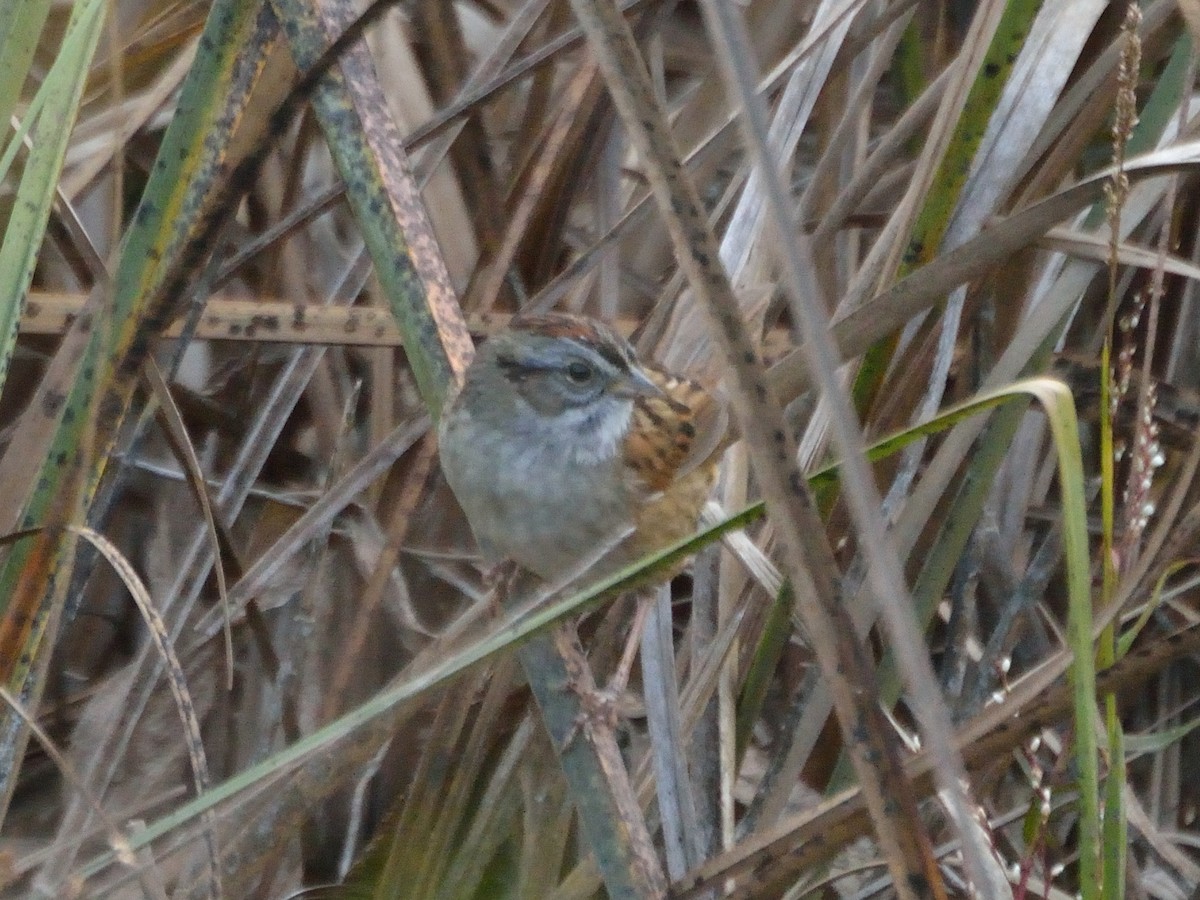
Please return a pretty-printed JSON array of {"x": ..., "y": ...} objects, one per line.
[{"x": 540, "y": 506}]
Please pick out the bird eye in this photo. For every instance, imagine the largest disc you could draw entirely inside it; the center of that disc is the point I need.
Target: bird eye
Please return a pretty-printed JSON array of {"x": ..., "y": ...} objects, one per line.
[{"x": 580, "y": 373}]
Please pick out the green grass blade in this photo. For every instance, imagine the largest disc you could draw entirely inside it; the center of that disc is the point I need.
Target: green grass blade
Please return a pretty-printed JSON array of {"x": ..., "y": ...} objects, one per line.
[
  {"x": 56, "y": 110},
  {"x": 21, "y": 23},
  {"x": 100, "y": 363}
]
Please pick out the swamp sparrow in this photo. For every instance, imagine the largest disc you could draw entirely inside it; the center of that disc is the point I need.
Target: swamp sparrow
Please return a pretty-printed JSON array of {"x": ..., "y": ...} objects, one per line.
[{"x": 563, "y": 449}]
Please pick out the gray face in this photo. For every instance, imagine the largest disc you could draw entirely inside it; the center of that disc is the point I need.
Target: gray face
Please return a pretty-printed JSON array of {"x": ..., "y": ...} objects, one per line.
[
  {"x": 557, "y": 374},
  {"x": 561, "y": 387},
  {"x": 561, "y": 375}
]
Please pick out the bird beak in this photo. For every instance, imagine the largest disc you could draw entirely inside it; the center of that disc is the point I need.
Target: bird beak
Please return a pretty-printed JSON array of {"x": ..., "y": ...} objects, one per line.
[{"x": 636, "y": 384}]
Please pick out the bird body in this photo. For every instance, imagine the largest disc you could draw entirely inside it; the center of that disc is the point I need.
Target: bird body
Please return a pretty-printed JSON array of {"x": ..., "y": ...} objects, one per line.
[{"x": 562, "y": 448}]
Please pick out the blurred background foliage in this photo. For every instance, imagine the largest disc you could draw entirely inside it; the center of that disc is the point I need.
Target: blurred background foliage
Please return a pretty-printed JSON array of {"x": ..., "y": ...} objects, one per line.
[{"x": 245, "y": 644}]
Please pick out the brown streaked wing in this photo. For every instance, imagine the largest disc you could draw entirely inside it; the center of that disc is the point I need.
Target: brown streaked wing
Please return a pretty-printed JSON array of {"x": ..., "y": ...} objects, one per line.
[{"x": 670, "y": 436}]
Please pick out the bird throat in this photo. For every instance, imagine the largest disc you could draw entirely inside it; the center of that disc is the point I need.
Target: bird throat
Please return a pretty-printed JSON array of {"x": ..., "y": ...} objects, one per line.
[{"x": 598, "y": 430}]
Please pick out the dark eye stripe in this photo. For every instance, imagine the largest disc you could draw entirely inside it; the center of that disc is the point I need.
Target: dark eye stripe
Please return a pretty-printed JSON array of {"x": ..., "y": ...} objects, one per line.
[
  {"x": 517, "y": 372},
  {"x": 608, "y": 347},
  {"x": 611, "y": 355},
  {"x": 513, "y": 369}
]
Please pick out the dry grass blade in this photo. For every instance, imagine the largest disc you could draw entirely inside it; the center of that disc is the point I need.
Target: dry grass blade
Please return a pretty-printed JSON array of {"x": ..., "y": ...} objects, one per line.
[
  {"x": 280, "y": 205},
  {"x": 542, "y": 173},
  {"x": 859, "y": 328},
  {"x": 771, "y": 859},
  {"x": 676, "y": 803},
  {"x": 317, "y": 517},
  {"x": 116, "y": 837},
  {"x": 884, "y": 569},
  {"x": 378, "y": 179},
  {"x": 175, "y": 678},
  {"x": 187, "y": 455},
  {"x": 1191, "y": 14},
  {"x": 810, "y": 560}
]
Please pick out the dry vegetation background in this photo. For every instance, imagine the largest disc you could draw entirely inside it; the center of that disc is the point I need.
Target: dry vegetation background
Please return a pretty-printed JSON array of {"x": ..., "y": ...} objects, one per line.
[{"x": 214, "y": 247}]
